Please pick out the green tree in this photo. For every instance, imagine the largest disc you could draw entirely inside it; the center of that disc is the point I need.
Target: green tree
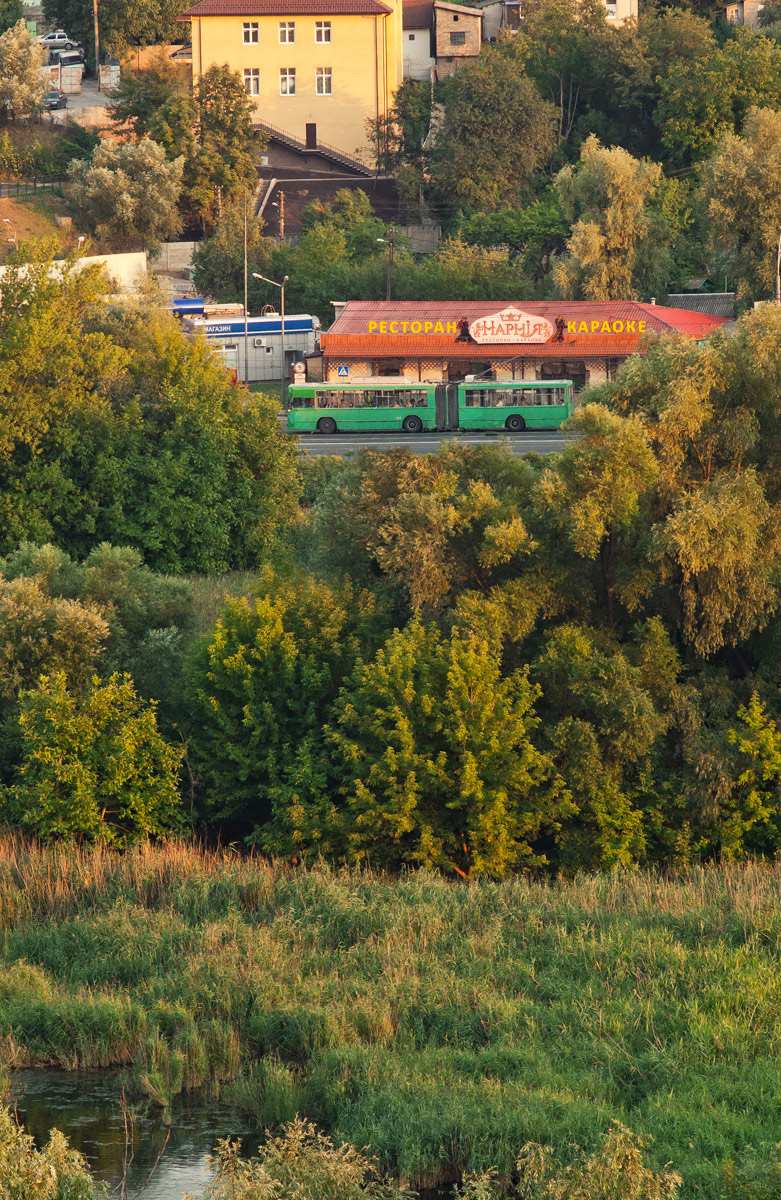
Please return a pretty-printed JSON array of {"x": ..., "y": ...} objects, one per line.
[
  {"x": 705, "y": 98},
  {"x": 227, "y": 149},
  {"x": 261, "y": 686},
  {"x": 614, "y": 229},
  {"x": 95, "y": 767},
  {"x": 600, "y": 722},
  {"x": 218, "y": 261},
  {"x": 436, "y": 758},
  {"x": 754, "y": 824},
  {"x": 43, "y": 633},
  {"x": 491, "y": 107},
  {"x": 124, "y": 24},
  {"x": 641, "y": 57},
  {"x": 117, "y": 427},
  {"x": 597, "y": 494},
  {"x": 742, "y": 186},
  {"x": 107, "y": 614},
  {"x": 11, "y": 13},
  {"x": 534, "y": 234},
  {"x": 112, "y": 192},
  {"x": 720, "y": 547},
  {"x": 569, "y": 51},
  {"x": 22, "y": 83},
  {"x": 142, "y": 95}
]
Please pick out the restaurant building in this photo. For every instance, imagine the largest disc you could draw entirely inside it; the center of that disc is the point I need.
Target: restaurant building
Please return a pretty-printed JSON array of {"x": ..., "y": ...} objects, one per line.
[{"x": 581, "y": 340}]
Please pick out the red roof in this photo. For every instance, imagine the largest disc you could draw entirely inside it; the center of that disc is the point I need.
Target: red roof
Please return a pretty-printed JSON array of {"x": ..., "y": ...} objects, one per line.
[
  {"x": 589, "y": 329},
  {"x": 284, "y": 8},
  {"x": 335, "y": 346},
  {"x": 355, "y": 317}
]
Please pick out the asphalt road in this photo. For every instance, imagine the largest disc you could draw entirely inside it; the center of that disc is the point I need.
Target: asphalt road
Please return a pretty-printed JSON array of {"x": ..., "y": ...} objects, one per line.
[{"x": 541, "y": 441}]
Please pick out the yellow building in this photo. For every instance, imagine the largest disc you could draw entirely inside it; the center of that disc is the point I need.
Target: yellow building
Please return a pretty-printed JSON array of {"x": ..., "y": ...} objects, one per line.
[{"x": 316, "y": 69}]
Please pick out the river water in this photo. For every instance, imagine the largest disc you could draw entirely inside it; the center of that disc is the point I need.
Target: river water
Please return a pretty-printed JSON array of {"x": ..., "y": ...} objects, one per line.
[{"x": 157, "y": 1162}]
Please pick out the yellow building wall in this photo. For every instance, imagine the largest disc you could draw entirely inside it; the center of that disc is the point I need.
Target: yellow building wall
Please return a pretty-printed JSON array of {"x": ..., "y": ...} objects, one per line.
[{"x": 364, "y": 55}]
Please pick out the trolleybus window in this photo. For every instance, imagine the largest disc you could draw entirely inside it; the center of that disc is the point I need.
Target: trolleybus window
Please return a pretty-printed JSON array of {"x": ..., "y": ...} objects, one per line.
[
  {"x": 381, "y": 398},
  {"x": 398, "y": 398},
  {"x": 513, "y": 397}
]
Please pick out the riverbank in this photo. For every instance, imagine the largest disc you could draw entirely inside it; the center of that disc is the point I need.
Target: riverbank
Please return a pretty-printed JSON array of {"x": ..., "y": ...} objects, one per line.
[{"x": 442, "y": 1025}]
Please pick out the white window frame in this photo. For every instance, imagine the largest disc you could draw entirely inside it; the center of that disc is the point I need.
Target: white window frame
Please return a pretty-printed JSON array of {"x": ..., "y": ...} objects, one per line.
[
  {"x": 323, "y": 76},
  {"x": 287, "y": 75},
  {"x": 250, "y": 33},
  {"x": 287, "y": 33},
  {"x": 323, "y": 32},
  {"x": 252, "y": 77}
]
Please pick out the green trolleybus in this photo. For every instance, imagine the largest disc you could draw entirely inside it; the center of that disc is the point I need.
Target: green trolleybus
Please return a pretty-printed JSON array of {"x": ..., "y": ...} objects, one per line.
[{"x": 414, "y": 407}]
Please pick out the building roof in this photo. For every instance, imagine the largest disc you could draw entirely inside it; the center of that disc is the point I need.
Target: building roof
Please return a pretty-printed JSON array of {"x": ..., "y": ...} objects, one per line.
[
  {"x": 284, "y": 8},
  {"x": 417, "y": 14},
  {"x": 350, "y": 336},
  {"x": 720, "y": 304},
  {"x": 458, "y": 8}
]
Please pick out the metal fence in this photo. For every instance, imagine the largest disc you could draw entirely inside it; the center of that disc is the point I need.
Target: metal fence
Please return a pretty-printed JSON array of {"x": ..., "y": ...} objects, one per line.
[{"x": 24, "y": 187}]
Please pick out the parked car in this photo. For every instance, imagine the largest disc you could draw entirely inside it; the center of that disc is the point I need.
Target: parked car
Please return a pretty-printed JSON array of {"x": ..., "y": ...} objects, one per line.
[
  {"x": 66, "y": 57},
  {"x": 58, "y": 40},
  {"x": 55, "y": 99}
]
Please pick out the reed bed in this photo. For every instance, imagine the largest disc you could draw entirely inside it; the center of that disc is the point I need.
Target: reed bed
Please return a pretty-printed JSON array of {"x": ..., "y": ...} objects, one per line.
[{"x": 440, "y": 1024}]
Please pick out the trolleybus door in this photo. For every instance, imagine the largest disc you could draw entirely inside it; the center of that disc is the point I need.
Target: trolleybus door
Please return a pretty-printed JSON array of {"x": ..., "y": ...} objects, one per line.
[{"x": 446, "y": 406}]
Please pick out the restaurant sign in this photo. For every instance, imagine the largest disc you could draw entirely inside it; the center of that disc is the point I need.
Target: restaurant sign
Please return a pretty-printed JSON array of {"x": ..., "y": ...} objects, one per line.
[{"x": 511, "y": 325}]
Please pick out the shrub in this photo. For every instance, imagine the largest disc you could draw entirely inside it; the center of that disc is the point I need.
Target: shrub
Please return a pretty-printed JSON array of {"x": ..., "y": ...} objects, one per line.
[
  {"x": 95, "y": 768},
  {"x": 54, "y": 1173}
]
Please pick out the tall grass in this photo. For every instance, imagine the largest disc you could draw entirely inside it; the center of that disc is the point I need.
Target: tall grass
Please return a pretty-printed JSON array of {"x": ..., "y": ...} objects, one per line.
[{"x": 441, "y": 1024}]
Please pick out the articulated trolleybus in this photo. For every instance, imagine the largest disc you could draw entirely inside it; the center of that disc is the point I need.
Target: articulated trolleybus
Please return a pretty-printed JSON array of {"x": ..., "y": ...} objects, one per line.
[{"x": 414, "y": 407}]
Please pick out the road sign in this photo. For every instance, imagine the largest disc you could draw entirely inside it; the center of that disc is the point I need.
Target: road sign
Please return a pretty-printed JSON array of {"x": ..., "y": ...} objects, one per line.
[{"x": 342, "y": 372}]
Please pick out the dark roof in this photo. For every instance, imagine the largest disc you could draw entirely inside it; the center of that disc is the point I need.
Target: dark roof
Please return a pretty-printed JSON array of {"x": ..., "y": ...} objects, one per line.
[
  {"x": 718, "y": 304},
  {"x": 284, "y": 8},
  {"x": 417, "y": 14}
]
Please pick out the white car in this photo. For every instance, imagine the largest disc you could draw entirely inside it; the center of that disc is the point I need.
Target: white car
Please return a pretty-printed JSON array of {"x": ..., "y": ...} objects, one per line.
[{"x": 58, "y": 40}]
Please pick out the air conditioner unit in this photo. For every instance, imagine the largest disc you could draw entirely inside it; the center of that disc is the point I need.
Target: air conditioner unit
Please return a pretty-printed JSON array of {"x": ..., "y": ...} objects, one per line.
[{"x": 257, "y": 342}]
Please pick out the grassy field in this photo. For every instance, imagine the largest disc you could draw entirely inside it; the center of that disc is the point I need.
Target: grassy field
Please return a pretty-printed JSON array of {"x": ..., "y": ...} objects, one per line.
[{"x": 440, "y": 1024}]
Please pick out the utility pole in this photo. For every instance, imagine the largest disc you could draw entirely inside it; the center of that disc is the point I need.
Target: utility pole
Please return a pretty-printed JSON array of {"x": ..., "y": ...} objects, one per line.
[
  {"x": 246, "y": 330},
  {"x": 97, "y": 40},
  {"x": 778, "y": 271},
  {"x": 281, "y": 287},
  {"x": 391, "y": 244},
  {"x": 281, "y": 216}
]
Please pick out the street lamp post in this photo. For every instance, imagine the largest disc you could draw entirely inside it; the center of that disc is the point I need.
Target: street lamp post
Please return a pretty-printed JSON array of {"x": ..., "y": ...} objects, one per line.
[
  {"x": 246, "y": 328},
  {"x": 281, "y": 287},
  {"x": 391, "y": 241}
]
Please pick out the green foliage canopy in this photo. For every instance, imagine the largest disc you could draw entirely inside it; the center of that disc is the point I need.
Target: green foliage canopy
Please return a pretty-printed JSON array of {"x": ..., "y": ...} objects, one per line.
[{"x": 93, "y": 767}]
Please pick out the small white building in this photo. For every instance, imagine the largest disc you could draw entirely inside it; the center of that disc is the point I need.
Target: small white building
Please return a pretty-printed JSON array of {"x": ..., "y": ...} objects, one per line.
[
  {"x": 263, "y": 342},
  {"x": 418, "y": 29}
]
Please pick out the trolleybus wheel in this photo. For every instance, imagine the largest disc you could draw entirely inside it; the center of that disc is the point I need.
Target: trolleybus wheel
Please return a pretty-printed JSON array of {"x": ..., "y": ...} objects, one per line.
[
  {"x": 326, "y": 425},
  {"x": 515, "y": 423},
  {"x": 412, "y": 425}
]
